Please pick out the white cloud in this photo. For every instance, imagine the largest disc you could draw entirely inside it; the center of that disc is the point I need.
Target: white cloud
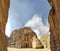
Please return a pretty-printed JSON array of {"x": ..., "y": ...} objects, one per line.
[
  {"x": 8, "y": 30},
  {"x": 37, "y": 25},
  {"x": 11, "y": 27}
]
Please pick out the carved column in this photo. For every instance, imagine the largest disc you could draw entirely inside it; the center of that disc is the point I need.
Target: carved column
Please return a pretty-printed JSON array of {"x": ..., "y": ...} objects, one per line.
[
  {"x": 54, "y": 21},
  {"x": 4, "y": 7}
]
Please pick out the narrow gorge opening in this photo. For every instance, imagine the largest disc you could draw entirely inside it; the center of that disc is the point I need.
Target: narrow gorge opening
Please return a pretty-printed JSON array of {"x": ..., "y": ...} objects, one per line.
[{"x": 35, "y": 22}]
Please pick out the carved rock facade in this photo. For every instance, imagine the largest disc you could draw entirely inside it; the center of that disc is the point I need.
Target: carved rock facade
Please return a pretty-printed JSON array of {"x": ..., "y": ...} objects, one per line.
[
  {"x": 54, "y": 20},
  {"x": 4, "y": 6},
  {"x": 36, "y": 43},
  {"x": 22, "y": 38}
]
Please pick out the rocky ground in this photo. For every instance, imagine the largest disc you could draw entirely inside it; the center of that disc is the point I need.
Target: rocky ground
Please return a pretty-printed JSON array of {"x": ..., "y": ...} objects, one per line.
[{"x": 27, "y": 49}]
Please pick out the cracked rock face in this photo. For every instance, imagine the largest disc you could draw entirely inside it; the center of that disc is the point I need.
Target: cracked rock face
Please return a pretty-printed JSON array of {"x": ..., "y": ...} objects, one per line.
[
  {"x": 54, "y": 21},
  {"x": 4, "y": 6}
]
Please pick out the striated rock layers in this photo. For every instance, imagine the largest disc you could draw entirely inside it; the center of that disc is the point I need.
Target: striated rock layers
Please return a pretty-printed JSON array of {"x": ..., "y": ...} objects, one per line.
[
  {"x": 4, "y": 6},
  {"x": 54, "y": 20}
]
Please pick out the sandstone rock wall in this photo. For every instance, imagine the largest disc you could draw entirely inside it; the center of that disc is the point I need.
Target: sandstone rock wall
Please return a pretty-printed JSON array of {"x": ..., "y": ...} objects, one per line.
[
  {"x": 54, "y": 20},
  {"x": 4, "y": 6},
  {"x": 36, "y": 43},
  {"x": 22, "y": 38},
  {"x": 45, "y": 39}
]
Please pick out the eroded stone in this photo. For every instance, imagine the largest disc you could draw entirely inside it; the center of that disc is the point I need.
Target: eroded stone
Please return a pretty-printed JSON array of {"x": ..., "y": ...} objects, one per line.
[
  {"x": 54, "y": 21},
  {"x": 4, "y": 6}
]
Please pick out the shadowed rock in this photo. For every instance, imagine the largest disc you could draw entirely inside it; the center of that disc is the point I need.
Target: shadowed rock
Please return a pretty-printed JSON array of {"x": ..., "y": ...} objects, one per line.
[
  {"x": 4, "y": 6},
  {"x": 54, "y": 20}
]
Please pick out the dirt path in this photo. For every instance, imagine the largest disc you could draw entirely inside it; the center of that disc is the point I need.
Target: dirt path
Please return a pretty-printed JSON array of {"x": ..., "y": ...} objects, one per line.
[{"x": 14, "y": 49}]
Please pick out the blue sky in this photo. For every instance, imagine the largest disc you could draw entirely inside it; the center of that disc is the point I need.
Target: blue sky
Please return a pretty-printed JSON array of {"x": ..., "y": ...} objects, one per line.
[{"x": 21, "y": 11}]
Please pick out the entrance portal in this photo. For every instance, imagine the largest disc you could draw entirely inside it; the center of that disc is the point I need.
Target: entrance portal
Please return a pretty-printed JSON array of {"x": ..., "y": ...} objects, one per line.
[{"x": 27, "y": 45}]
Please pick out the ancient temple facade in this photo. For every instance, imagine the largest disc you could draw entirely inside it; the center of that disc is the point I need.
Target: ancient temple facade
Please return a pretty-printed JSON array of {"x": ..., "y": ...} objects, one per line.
[
  {"x": 36, "y": 43},
  {"x": 23, "y": 38},
  {"x": 26, "y": 38}
]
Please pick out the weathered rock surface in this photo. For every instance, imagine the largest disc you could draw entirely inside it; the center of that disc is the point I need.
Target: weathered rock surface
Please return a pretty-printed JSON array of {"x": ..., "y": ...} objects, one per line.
[
  {"x": 45, "y": 39},
  {"x": 4, "y": 6},
  {"x": 36, "y": 43},
  {"x": 22, "y": 38},
  {"x": 54, "y": 20}
]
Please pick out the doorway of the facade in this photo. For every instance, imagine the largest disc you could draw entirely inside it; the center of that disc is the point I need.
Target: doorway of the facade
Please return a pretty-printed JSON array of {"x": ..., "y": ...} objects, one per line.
[{"x": 27, "y": 45}]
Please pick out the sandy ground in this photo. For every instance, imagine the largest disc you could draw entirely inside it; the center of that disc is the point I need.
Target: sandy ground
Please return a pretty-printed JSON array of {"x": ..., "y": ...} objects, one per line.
[{"x": 27, "y": 49}]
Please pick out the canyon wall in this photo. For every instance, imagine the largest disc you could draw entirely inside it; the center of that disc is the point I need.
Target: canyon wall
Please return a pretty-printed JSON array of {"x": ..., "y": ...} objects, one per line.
[
  {"x": 4, "y": 7},
  {"x": 54, "y": 21}
]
